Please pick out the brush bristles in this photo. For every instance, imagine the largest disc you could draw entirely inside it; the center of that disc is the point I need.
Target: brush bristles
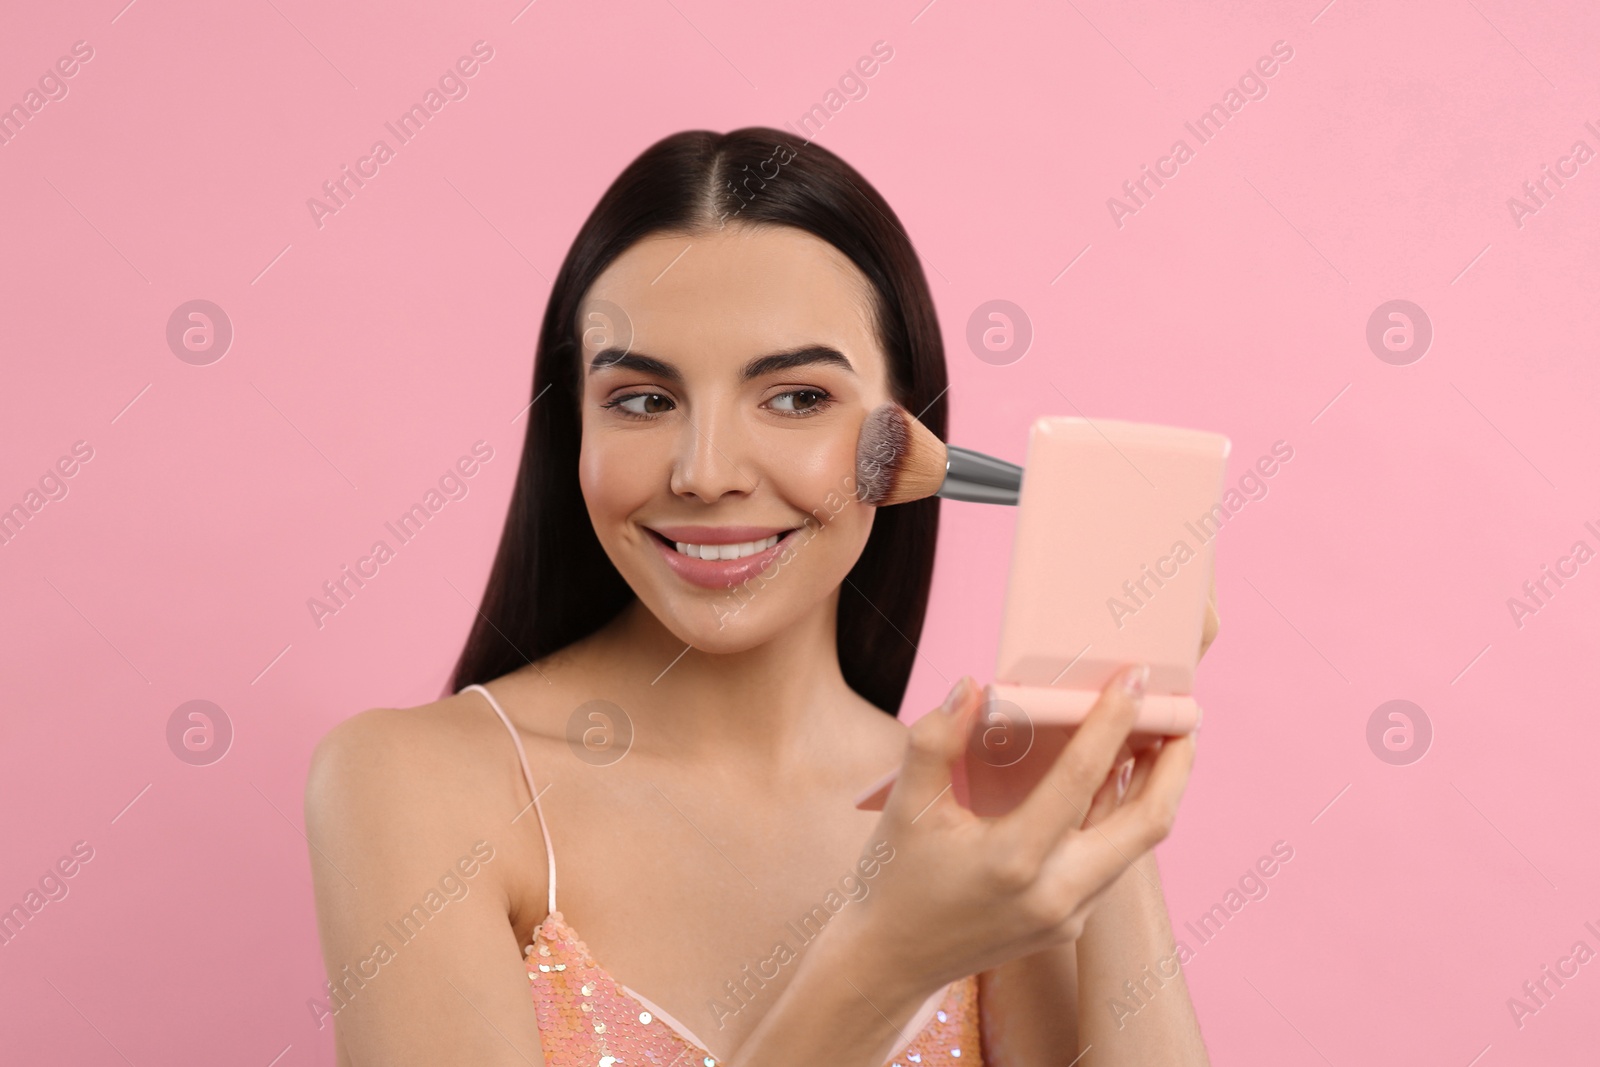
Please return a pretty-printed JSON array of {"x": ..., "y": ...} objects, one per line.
[{"x": 897, "y": 458}]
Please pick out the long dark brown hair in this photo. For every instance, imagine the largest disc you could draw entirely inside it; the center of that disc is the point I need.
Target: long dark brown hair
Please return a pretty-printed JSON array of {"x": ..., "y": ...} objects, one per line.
[{"x": 552, "y": 583}]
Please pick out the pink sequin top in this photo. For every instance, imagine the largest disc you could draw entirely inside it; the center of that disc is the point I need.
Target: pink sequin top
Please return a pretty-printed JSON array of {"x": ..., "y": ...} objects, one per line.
[{"x": 588, "y": 1019}]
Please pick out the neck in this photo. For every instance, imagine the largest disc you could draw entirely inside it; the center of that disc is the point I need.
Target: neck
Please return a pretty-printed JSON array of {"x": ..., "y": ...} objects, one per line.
[{"x": 771, "y": 707}]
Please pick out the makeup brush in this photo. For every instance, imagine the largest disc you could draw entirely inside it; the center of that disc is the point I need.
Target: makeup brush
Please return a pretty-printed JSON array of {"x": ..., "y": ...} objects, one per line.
[{"x": 899, "y": 460}]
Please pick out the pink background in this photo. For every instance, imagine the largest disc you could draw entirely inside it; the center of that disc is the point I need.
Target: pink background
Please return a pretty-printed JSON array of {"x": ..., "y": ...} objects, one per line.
[{"x": 370, "y": 353}]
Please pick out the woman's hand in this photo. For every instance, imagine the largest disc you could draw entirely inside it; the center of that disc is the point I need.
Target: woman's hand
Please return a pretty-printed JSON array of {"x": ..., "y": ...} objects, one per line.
[{"x": 961, "y": 893}]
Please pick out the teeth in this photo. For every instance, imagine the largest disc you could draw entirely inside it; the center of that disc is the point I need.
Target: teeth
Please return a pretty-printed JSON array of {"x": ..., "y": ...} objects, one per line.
[{"x": 739, "y": 551}]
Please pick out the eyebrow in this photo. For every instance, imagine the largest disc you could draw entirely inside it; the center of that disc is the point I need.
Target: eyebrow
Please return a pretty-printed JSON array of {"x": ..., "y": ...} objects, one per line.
[{"x": 808, "y": 355}]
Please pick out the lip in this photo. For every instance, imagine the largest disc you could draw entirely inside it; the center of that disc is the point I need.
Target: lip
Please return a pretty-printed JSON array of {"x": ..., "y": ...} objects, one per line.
[{"x": 719, "y": 573}]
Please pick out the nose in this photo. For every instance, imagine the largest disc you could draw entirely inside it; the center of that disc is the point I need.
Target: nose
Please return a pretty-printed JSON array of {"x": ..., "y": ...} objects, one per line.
[{"x": 713, "y": 457}]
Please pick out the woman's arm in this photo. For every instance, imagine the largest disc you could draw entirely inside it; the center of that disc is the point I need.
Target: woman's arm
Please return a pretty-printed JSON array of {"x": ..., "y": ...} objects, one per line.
[
  {"x": 1073, "y": 1004},
  {"x": 1033, "y": 1011},
  {"x": 1028, "y": 1011},
  {"x": 409, "y": 878},
  {"x": 1133, "y": 1002}
]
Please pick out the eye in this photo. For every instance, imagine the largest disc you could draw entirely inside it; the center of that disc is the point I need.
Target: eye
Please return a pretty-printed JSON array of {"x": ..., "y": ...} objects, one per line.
[
  {"x": 642, "y": 405},
  {"x": 800, "y": 401}
]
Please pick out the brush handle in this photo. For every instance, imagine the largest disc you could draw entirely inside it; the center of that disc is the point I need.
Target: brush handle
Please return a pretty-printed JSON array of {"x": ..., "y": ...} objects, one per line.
[{"x": 982, "y": 479}]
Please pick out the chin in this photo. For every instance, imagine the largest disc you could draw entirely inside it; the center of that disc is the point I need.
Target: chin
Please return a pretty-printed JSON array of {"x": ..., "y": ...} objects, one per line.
[{"x": 750, "y": 627}]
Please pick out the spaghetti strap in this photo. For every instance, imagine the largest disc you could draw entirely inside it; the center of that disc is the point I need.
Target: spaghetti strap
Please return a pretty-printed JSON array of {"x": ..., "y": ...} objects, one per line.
[{"x": 527, "y": 776}]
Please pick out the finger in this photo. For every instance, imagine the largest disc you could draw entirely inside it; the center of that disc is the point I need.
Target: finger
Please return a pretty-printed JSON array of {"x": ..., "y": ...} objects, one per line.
[
  {"x": 1141, "y": 769},
  {"x": 1175, "y": 760},
  {"x": 1060, "y": 802},
  {"x": 1124, "y": 777},
  {"x": 1125, "y": 754},
  {"x": 937, "y": 740},
  {"x": 1109, "y": 794},
  {"x": 1112, "y": 789},
  {"x": 1087, "y": 862}
]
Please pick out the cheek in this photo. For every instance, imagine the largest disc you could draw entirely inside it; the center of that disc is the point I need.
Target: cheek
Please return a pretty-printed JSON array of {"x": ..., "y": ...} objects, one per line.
[
  {"x": 616, "y": 476},
  {"x": 810, "y": 466},
  {"x": 818, "y": 476}
]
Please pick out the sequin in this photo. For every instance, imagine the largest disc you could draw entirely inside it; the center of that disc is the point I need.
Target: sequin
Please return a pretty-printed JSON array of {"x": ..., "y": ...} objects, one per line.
[{"x": 586, "y": 1017}]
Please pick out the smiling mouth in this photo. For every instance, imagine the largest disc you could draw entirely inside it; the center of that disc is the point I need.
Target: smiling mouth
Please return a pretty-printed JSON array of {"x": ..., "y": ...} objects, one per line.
[
  {"x": 725, "y": 563},
  {"x": 725, "y": 551},
  {"x": 722, "y": 552}
]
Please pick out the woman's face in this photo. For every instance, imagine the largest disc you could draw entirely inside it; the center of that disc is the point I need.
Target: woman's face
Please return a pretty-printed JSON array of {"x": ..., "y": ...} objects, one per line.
[{"x": 726, "y": 377}]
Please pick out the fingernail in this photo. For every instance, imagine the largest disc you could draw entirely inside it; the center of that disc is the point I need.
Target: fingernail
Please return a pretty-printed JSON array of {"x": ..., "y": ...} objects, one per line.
[
  {"x": 1123, "y": 778},
  {"x": 1134, "y": 681},
  {"x": 957, "y": 694}
]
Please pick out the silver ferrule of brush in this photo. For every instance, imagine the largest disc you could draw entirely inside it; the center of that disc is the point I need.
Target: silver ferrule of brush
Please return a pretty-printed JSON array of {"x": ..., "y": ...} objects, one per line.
[{"x": 982, "y": 479}]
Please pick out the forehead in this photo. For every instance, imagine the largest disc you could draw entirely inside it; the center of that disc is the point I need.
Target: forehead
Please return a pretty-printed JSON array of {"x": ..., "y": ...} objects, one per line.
[{"x": 737, "y": 292}]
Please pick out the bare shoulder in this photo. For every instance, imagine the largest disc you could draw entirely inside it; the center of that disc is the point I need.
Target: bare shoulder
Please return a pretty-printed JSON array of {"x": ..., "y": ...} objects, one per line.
[
  {"x": 390, "y": 787},
  {"x": 388, "y": 753}
]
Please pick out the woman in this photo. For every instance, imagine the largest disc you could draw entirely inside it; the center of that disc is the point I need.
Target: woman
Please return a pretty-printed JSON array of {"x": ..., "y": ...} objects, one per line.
[{"x": 688, "y": 663}]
